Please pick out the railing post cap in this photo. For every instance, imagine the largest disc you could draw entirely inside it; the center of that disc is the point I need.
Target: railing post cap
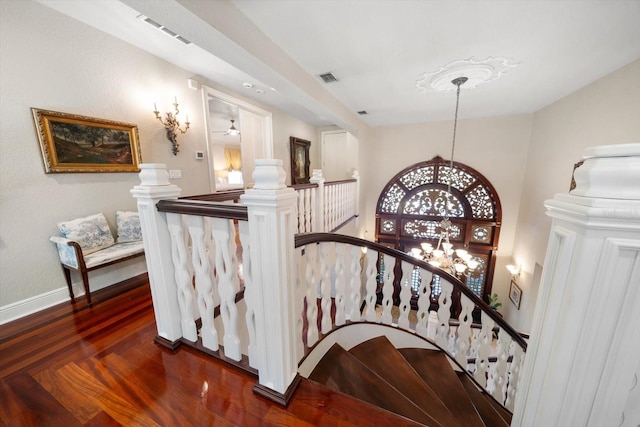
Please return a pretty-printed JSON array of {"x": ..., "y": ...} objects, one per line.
[
  {"x": 316, "y": 176},
  {"x": 153, "y": 174},
  {"x": 269, "y": 174}
]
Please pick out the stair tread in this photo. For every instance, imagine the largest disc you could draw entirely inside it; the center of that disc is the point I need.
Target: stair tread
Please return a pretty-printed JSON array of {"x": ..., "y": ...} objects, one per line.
[
  {"x": 379, "y": 355},
  {"x": 435, "y": 369},
  {"x": 343, "y": 372},
  {"x": 484, "y": 404}
]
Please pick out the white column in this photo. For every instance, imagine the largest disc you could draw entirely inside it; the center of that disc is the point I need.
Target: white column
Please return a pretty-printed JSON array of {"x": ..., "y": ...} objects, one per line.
[
  {"x": 271, "y": 208},
  {"x": 318, "y": 209},
  {"x": 585, "y": 345},
  {"x": 155, "y": 186},
  {"x": 356, "y": 206}
]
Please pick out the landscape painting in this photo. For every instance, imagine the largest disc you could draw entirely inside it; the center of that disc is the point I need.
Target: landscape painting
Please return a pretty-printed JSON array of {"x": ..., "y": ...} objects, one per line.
[{"x": 73, "y": 143}]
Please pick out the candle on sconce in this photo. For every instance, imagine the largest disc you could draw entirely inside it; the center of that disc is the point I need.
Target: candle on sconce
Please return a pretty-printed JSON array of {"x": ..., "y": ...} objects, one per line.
[{"x": 154, "y": 107}]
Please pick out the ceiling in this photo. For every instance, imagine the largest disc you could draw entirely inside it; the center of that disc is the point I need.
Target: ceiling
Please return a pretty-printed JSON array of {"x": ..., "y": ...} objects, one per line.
[{"x": 378, "y": 49}]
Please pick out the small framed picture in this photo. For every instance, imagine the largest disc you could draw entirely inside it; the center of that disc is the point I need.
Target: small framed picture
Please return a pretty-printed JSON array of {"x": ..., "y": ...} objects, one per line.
[
  {"x": 299, "y": 160},
  {"x": 515, "y": 294}
]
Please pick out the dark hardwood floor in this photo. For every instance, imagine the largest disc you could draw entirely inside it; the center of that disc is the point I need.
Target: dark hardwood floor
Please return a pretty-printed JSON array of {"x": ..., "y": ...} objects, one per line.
[{"x": 72, "y": 365}]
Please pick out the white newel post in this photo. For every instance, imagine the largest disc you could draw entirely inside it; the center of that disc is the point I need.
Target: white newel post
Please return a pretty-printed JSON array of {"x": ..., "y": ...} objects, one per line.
[
  {"x": 318, "y": 209},
  {"x": 271, "y": 208},
  {"x": 155, "y": 186},
  {"x": 583, "y": 362},
  {"x": 356, "y": 207}
]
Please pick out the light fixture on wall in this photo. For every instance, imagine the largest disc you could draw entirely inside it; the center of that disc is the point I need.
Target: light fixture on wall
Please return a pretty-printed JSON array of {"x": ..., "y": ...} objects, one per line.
[
  {"x": 172, "y": 125},
  {"x": 514, "y": 270},
  {"x": 456, "y": 261}
]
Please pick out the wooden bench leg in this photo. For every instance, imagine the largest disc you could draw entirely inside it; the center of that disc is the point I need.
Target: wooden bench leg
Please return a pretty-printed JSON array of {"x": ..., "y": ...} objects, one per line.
[
  {"x": 85, "y": 282},
  {"x": 67, "y": 275}
]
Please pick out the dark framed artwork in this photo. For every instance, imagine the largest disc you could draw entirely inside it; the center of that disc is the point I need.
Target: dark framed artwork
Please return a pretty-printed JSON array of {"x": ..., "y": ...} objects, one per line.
[
  {"x": 515, "y": 294},
  {"x": 299, "y": 160},
  {"x": 73, "y": 143}
]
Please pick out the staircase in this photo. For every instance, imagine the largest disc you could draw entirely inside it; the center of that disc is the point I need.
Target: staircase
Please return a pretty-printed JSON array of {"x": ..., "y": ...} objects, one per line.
[{"x": 418, "y": 384}]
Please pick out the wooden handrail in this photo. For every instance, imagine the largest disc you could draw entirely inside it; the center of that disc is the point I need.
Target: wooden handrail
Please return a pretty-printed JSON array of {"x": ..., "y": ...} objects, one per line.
[
  {"x": 309, "y": 238},
  {"x": 203, "y": 208},
  {"x": 221, "y": 196},
  {"x": 343, "y": 181}
]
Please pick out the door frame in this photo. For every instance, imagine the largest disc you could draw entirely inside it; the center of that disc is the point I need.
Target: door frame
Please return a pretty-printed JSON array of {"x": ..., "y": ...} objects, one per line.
[{"x": 267, "y": 129}]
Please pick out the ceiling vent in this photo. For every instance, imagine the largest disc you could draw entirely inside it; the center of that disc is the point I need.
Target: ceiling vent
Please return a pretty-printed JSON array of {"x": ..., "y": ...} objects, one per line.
[
  {"x": 363, "y": 112},
  {"x": 328, "y": 78},
  {"x": 164, "y": 29}
]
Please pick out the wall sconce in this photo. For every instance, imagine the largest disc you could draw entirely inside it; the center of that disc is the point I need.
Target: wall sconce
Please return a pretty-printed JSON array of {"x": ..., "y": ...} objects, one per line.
[
  {"x": 514, "y": 270},
  {"x": 172, "y": 125}
]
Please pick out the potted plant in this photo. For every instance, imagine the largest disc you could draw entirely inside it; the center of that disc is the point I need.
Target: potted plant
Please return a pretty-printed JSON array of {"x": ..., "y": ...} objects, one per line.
[{"x": 493, "y": 302}]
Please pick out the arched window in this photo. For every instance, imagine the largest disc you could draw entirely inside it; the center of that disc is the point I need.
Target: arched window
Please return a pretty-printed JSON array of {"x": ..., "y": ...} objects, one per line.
[{"x": 411, "y": 206}]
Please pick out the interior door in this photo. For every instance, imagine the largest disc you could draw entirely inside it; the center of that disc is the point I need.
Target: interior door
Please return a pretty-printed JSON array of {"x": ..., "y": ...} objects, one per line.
[{"x": 252, "y": 143}]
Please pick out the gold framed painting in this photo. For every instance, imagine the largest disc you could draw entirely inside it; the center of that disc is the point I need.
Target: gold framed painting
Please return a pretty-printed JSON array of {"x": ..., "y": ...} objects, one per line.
[{"x": 73, "y": 143}]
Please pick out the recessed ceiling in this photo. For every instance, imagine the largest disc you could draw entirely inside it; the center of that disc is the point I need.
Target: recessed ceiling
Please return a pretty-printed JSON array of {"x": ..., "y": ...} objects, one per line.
[{"x": 377, "y": 50}]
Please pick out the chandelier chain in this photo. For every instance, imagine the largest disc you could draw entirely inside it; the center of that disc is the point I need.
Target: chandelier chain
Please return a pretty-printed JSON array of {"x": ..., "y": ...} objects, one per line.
[{"x": 458, "y": 82}]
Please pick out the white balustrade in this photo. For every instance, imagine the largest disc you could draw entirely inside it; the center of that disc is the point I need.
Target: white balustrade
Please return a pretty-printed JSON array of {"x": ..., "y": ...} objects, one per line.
[{"x": 317, "y": 286}]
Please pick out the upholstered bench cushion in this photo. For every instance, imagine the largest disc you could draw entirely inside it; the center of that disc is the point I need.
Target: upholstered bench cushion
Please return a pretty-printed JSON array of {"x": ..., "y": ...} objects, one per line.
[
  {"x": 92, "y": 233},
  {"x": 117, "y": 251}
]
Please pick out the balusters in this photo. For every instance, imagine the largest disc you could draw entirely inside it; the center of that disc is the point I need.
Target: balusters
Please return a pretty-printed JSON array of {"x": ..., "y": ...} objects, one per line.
[
  {"x": 327, "y": 254},
  {"x": 497, "y": 381},
  {"x": 341, "y": 279},
  {"x": 300, "y": 294},
  {"x": 301, "y": 212},
  {"x": 355, "y": 285},
  {"x": 371, "y": 285},
  {"x": 424, "y": 301},
  {"x": 517, "y": 360},
  {"x": 308, "y": 209},
  {"x": 405, "y": 295},
  {"x": 387, "y": 288},
  {"x": 186, "y": 294},
  {"x": 444, "y": 313},
  {"x": 222, "y": 234},
  {"x": 204, "y": 284},
  {"x": 250, "y": 295},
  {"x": 464, "y": 329},
  {"x": 311, "y": 255},
  {"x": 483, "y": 350}
]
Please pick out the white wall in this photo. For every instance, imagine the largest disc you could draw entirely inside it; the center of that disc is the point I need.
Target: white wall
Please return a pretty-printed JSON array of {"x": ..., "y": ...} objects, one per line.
[
  {"x": 51, "y": 61},
  {"x": 605, "y": 112}
]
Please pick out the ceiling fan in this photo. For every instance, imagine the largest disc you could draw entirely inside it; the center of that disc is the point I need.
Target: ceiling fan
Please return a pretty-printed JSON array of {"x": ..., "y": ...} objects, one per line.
[{"x": 233, "y": 131}]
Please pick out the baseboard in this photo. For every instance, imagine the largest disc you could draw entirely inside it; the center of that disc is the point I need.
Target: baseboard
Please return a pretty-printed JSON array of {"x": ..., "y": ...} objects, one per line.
[
  {"x": 31, "y": 305},
  {"x": 18, "y": 309}
]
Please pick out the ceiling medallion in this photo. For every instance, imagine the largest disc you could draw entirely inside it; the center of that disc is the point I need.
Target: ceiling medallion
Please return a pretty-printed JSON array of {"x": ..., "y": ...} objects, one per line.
[{"x": 477, "y": 72}]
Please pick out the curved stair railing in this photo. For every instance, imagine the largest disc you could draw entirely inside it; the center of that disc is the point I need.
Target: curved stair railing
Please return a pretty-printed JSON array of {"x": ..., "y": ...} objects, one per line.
[
  {"x": 201, "y": 255},
  {"x": 341, "y": 274}
]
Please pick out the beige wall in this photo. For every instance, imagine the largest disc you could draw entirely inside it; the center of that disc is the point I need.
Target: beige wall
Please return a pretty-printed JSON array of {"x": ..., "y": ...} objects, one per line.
[
  {"x": 496, "y": 147},
  {"x": 605, "y": 112},
  {"x": 51, "y": 61}
]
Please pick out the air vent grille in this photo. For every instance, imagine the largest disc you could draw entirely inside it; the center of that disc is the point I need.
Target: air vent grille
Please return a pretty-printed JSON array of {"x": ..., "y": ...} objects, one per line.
[
  {"x": 164, "y": 29},
  {"x": 328, "y": 77}
]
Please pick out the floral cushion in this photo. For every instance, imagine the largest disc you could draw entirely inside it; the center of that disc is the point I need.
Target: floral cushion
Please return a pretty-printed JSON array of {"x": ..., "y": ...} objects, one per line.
[
  {"x": 128, "y": 224},
  {"x": 114, "y": 252},
  {"x": 92, "y": 233}
]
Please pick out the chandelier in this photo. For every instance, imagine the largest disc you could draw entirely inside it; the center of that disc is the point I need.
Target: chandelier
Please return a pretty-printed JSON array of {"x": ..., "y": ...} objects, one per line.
[{"x": 444, "y": 256}]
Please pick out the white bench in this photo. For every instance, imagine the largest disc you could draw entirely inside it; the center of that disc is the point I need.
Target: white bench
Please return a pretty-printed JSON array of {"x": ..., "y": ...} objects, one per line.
[{"x": 87, "y": 244}]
